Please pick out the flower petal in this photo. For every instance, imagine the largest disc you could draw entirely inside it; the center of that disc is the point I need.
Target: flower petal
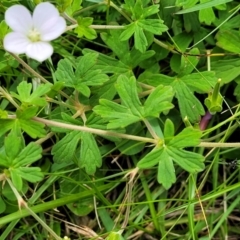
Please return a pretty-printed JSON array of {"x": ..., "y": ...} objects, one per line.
[
  {"x": 15, "y": 42},
  {"x": 19, "y": 19},
  {"x": 50, "y": 32},
  {"x": 47, "y": 21},
  {"x": 39, "y": 51}
]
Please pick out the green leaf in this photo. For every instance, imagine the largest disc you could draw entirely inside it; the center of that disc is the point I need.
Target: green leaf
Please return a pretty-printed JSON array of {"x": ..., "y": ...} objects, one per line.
[
  {"x": 228, "y": 40},
  {"x": 158, "y": 101},
  {"x": 16, "y": 179},
  {"x": 64, "y": 150},
  {"x": 85, "y": 73},
  {"x": 6, "y": 125},
  {"x": 84, "y": 30},
  {"x": 188, "y": 137},
  {"x": 24, "y": 93},
  {"x": 227, "y": 70},
  {"x": 26, "y": 112},
  {"x": 114, "y": 236},
  {"x": 132, "y": 57},
  {"x": 2, "y": 202},
  {"x": 75, "y": 6},
  {"x": 120, "y": 48},
  {"x": 189, "y": 63},
  {"x": 90, "y": 157},
  {"x": 131, "y": 109},
  {"x": 185, "y": 4},
  {"x": 200, "y": 82},
  {"x": 3, "y": 29},
  {"x": 169, "y": 130},
  {"x": 13, "y": 143},
  {"x": 110, "y": 65},
  {"x": 24, "y": 90},
  {"x": 32, "y": 128},
  {"x": 189, "y": 105},
  {"x": 119, "y": 116},
  {"x": 4, "y": 160},
  {"x": 154, "y": 26},
  {"x": 140, "y": 40},
  {"x": 65, "y": 72},
  {"x": 31, "y": 174},
  {"x": 201, "y": 6},
  {"x": 151, "y": 159},
  {"x": 130, "y": 147},
  {"x": 127, "y": 90},
  {"x": 190, "y": 161},
  {"x": 206, "y": 15},
  {"x": 128, "y": 32},
  {"x": 166, "y": 172},
  {"x": 83, "y": 207},
  {"x": 30, "y": 154},
  {"x": 148, "y": 11},
  {"x": 63, "y": 4}
]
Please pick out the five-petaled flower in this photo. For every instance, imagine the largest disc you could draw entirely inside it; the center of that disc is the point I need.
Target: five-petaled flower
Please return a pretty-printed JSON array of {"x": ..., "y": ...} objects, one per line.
[{"x": 32, "y": 33}]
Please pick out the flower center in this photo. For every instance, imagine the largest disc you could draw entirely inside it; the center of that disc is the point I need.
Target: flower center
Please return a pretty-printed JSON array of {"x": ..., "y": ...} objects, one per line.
[{"x": 34, "y": 35}]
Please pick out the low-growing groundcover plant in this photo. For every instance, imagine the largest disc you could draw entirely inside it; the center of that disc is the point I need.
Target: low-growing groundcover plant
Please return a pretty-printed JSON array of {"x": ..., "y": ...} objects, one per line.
[{"x": 119, "y": 119}]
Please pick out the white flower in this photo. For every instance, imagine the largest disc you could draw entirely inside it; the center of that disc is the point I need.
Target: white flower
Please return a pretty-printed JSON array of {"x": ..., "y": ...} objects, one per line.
[{"x": 32, "y": 33}]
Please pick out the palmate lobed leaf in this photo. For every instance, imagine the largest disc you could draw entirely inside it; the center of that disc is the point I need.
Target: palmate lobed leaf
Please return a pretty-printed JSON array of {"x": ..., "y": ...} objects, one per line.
[
  {"x": 184, "y": 86},
  {"x": 170, "y": 149},
  {"x": 118, "y": 115},
  {"x": 31, "y": 174},
  {"x": 188, "y": 137},
  {"x": 131, "y": 109},
  {"x": 90, "y": 156},
  {"x": 140, "y": 40},
  {"x": 158, "y": 101},
  {"x": 132, "y": 57},
  {"x": 30, "y": 154},
  {"x": 227, "y": 70},
  {"x": 189, "y": 161},
  {"x": 36, "y": 98},
  {"x": 188, "y": 63},
  {"x": 154, "y": 26},
  {"x": 84, "y": 76},
  {"x": 207, "y": 16},
  {"x": 13, "y": 143},
  {"x": 127, "y": 89},
  {"x": 190, "y": 106},
  {"x": 166, "y": 172},
  {"x": 64, "y": 150},
  {"x": 109, "y": 64},
  {"x": 83, "y": 28},
  {"x": 32, "y": 128}
]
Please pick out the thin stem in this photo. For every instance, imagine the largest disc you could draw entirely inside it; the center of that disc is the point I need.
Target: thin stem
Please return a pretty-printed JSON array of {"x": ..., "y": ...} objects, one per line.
[
  {"x": 90, "y": 130},
  {"x": 22, "y": 203},
  {"x": 96, "y": 27},
  {"x": 35, "y": 73},
  {"x": 119, "y": 135},
  {"x": 218, "y": 145},
  {"x": 8, "y": 97}
]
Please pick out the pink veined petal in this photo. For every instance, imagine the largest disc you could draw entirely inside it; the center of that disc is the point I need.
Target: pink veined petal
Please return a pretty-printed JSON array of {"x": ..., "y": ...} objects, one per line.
[
  {"x": 53, "y": 29},
  {"x": 39, "y": 51},
  {"x": 15, "y": 42},
  {"x": 19, "y": 19}
]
